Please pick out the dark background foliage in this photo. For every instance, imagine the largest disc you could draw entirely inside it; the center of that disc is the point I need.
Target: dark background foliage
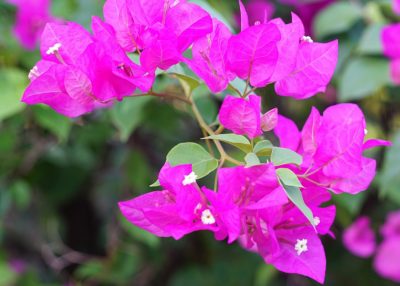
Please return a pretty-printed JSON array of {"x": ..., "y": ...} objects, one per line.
[{"x": 61, "y": 179}]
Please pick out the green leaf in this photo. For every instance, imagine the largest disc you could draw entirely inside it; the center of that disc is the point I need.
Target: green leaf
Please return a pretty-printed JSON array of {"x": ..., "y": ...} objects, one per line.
[
  {"x": 48, "y": 119},
  {"x": 282, "y": 156},
  {"x": 207, "y": 107},
  {"x": 296, "y": 197},
  {"x": 89, "y": 269},
  {"x": 351, "y": 203},
  {"x": 389, "y": 180},
  {"x": 143, "y": 175},
  {"x": 213, "y": 13},
  {"x": 12, "y": 83},
  {"x": 370, "y": 42},
  {"x": 336, "y": 18},
  {"x": 288, "y": 177},
  {"x": 251, "y": 159},
  {"x": 188, "y": 83},
  {"x": 192, "y": 153},
  {"x": 127, "y": 115},
  {"x": 237, "y": 85},
  {"x": 263, "y": 148},
  {"x": 155, "y": 184},
  {"x": 373, "y": 12},
  {"x": 265, "y": 275},
  {"x": 21, "y": 193},
  {"x": 362, "y": 77},
  {"x": 7, "y": 275},
  {"x": 238, "y": 141}
]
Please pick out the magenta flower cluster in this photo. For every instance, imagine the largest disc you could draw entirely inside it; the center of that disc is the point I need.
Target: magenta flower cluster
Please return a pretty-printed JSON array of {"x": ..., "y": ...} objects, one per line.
[
  {"x": 360, "y": 239},
  {"x": 250, "y": 204},
  {"x": 31, "y": 18},
  {"x": 274, "y": 209},
  {"x": 91, "y": 71}
]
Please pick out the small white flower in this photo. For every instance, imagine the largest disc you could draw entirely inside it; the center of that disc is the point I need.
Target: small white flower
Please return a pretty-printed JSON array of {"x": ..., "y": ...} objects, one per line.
[
  {"x": 207, "y": 217},
  {"x": 189, "y": 179},
  {"x": 197, "y": 208},
  {"x": 256, "y": 23},
  {"x": 176, "y": 2},
  {"x": 301, "y": 246},
  {"x": 53, "y": 48},
  {"x": 307, "y": 39},
  {"x": 34, "y": 72},
  {"x": 317, "y": 221}
]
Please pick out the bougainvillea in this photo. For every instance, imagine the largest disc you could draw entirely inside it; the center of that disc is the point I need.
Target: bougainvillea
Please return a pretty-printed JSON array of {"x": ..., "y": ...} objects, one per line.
[
  {"x": 359, "y": 238},
  {"x": 272, "y": 197},
  {"x": 30, "y": 20}
]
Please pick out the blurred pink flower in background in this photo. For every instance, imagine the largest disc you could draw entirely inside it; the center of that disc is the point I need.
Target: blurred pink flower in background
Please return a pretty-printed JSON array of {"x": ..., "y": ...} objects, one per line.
[
  {"x": 391, "y": 49},
  {"x": 31, "y": 17},
  {"x": 359, "y": 238},
  {"x": 387, "y": 259},
  {"x": 396, "y": 6},
  {"x": 17, "y": 265},
  {"x": 391, "y": 228}
]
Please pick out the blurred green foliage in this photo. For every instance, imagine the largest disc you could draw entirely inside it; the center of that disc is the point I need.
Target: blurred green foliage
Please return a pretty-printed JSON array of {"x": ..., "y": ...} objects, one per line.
[{"x": 61, "y": 179}]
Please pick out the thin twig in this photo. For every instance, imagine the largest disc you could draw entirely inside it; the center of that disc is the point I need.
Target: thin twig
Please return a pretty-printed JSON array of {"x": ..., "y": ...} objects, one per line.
[
  {"x": 219, "y": 130},
  {"x": 204, "y": 125},
  {"x": 163, "y": 95}
]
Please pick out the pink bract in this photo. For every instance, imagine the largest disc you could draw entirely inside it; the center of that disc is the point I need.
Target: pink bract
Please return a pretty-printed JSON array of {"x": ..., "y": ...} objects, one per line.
[
  {"x": 253, "y": 53},
  {"x": 68, "y": 36},
  {"x": 244, "y": 191},
  {"x": 188, "y": 22},
  {"x": 252, "y": 206},
  {"x": 288, "y": 46},
  {"x": 387, "y": 259},
  {"x": 359, "y": 238},
  {"x": 52, "y": 89},
  {"x": 87, "y": 72},
  {"x": 391, "y": 41},
  {"x": 289, "y": 242},
  {"x": 160, "y": 29},
  {"x": 209, "y": 58},
  {"x": 332, "y": 147},
  {"x": 269, "y": 120},
  {"x": 315, "y": 65},
  {"x": 172, "y": 212},
  {"x": 391, "y": 228},
  {"x": 242, "y": 116}
]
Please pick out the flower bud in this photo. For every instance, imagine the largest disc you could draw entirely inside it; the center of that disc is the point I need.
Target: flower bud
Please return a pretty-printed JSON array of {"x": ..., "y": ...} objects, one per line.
[{"x": 269, "y": 120}]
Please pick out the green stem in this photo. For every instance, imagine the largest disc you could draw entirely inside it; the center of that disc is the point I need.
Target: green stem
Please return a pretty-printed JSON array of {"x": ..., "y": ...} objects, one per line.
[
  {"x": 224, "y": 156},
  {"x": 164, "y": 95}
]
